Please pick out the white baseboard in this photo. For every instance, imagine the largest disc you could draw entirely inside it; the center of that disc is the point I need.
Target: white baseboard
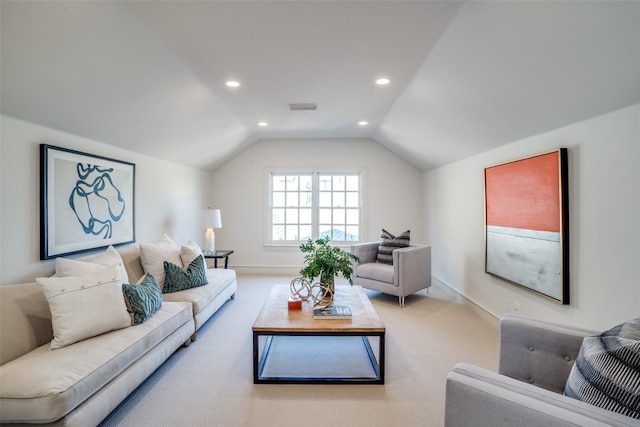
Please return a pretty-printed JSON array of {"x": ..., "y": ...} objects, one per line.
[{"x": 463, "y": 299}]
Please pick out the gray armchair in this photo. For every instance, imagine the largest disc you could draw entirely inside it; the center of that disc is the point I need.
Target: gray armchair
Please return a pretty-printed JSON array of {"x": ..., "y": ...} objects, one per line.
[
  {"x": 410, "y": 272},
  {"x": 535, "y": 359}
]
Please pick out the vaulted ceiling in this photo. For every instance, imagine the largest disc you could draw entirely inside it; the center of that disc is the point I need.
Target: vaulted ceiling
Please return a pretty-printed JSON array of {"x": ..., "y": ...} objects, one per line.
[{"x": 465, "y": 76}]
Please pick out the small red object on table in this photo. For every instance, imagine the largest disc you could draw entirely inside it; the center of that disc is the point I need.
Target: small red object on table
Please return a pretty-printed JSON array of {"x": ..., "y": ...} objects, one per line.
[{"x": 295, "y": 303}]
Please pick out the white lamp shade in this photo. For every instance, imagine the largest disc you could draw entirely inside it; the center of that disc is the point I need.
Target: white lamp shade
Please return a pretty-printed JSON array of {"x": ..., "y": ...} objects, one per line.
[{"x": 212, "y": 218}]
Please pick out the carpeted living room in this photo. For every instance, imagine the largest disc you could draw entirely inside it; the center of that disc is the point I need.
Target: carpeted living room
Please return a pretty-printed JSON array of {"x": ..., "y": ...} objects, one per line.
[
  {"x": 212, "y": 384},
  {"x": 163, "y": 164}
]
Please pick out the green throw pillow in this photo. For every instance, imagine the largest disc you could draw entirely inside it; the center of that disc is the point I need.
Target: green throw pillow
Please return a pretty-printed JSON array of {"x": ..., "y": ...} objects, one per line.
[
  {"x": 143, "y": 299},
  {"x": 605, "y": 373},
  {"x": 389, "y": 242},
  {"x": 178, "y": 279}
]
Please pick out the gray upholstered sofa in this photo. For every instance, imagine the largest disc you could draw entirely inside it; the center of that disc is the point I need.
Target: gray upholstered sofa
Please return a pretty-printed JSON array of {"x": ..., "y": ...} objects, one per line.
[
  {"x": 80, "y": 384},
  {"x": 535, "y": 359},
  {"x": 410, "y": 272}
]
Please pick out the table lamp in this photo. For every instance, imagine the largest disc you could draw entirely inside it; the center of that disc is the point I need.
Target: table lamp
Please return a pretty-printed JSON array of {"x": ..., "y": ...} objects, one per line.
[{"x": 212, "y": 219}]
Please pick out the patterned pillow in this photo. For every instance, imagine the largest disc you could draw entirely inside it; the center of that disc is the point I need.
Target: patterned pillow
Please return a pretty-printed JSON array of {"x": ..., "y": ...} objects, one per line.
[
  {"x": 143, "y": 299},
  {"x": 178, "y": 279},
  {"x": 389, "y": 242},
  {"x": 606, "y": 370}
]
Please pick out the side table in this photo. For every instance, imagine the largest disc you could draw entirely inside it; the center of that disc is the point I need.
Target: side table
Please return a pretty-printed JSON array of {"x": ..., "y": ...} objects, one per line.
[{"x": 217, "y": 254}]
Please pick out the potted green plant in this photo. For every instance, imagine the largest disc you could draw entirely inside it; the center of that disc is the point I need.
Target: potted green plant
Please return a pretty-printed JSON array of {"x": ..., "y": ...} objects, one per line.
[{"x": 326, "y": 262}]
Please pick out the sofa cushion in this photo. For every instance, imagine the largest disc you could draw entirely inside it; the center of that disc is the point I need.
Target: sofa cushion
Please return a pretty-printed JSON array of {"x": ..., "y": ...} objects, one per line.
[
  {"x": 607, "y": 370},
  {"x": 67, "y": 267},
  {"x": 201, "y": 297},
  {"x": 143, "y": 299},
  {"x": 179, "y": 279},
  {"x": 376, "y": 271},
  {"x": 34, "y": 390},
  {"x": 388, "y": 243},
  {"x": 153, "y": 256},
  {"x": 85, "y": 306}
]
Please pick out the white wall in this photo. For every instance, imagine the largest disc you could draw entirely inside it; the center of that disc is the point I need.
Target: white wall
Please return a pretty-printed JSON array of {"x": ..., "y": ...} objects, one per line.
[
  {"x": 604, "y": 198},
  {"x": 168, "y": 196},
  {"x": 392, "y": 194}
]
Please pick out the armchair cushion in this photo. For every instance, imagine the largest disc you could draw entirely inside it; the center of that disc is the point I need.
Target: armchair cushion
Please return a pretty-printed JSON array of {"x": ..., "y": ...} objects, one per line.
[
  {"x": 389, "y": 242},
  {"x": 606, "y": 372},
  {"x": 376, "y": 271}
]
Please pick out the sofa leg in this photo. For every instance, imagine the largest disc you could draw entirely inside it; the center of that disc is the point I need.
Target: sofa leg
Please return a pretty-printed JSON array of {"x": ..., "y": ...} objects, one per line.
[
  {"x": 401, "y": 301},
  {"x": 187, "y": 343},
  {"x": 193, "y": 337}
]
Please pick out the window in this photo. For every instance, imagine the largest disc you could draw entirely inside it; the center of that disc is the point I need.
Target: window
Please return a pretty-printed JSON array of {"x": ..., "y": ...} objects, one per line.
[{"x": 311, "y": 205}]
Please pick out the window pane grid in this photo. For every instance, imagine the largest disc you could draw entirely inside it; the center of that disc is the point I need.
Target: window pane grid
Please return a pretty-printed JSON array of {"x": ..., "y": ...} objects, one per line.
[{"x": 301, "y": 210}]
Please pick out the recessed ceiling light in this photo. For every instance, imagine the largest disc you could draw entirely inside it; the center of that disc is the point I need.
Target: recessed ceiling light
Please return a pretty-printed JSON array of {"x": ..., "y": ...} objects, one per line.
[
  {"x": 363, "y": 123},
  {"x": 383, "y": 81},
  {"x": 263, "y": 124},
  {"x": 232, "y": 83}
]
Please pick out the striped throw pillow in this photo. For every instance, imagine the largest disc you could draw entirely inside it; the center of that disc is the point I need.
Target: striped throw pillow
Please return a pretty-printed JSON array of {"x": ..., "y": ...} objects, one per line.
[
  {"x": 178, "y": 278},
  {"x": 607, "y": 369},
  {"x": 143, "y": 299},
  {"x": 389, "y": 242}
]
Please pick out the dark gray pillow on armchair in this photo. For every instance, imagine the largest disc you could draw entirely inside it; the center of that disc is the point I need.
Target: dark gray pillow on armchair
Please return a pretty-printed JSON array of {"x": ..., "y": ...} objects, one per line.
[
  {"x": 607, "y": 370},
  {"x": 389, "y": 242}
]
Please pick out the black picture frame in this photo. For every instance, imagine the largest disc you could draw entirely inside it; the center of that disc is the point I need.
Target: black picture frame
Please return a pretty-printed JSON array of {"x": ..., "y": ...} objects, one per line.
[{"x": 87, "y": 202}]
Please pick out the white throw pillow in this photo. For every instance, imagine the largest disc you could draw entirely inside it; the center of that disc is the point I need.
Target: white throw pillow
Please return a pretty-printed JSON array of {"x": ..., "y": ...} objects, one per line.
[
  {"x": 85, "y": 306},
  {"x": 188, "y": 252},
  {"x": 66, "y": 267},
  {"x": 153, "y": 256}
]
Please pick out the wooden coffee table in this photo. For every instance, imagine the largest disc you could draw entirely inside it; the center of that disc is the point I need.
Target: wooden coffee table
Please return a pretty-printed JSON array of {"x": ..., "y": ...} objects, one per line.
[{"x": 276, "y": 319}]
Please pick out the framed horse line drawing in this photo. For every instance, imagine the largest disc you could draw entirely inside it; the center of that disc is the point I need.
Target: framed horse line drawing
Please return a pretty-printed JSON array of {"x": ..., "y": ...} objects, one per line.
[
  {"x": 526, "y": 223},
  {"x": 86, "y": 202}
]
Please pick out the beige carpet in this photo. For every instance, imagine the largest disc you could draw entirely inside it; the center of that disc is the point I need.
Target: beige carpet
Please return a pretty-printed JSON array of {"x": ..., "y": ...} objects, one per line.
[{"x": 210, "y": 383}]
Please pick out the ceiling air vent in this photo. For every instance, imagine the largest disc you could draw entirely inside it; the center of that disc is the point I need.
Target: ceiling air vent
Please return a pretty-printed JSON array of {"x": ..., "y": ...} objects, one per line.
[{"x": 303, "y": 106}]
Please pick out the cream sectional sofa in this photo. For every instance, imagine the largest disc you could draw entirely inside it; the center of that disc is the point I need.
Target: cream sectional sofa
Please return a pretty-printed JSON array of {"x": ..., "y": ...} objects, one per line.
[
  {"x": 206, "y": 300},
  {"x": 80, "y": 384}
]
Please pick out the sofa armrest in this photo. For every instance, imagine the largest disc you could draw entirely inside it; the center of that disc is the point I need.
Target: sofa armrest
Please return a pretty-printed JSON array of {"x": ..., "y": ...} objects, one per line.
[
  {"x": 367, "y": 252},
  {"x": 478, "y": 397},
  {"x": 538, "y": 352},
  {"x": 413, "y": 271}
]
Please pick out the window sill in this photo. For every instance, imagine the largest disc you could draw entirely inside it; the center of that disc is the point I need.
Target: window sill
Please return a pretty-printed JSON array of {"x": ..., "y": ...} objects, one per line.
[{"x": 295, "y": 247}]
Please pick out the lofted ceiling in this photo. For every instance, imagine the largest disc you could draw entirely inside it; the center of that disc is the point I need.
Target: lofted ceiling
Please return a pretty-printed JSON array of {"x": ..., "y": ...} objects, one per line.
[{"x": 465, "y": 76}]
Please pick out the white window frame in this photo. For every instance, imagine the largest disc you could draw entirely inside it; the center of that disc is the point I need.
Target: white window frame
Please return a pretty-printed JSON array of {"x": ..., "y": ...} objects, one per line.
[{"x": 271, "y": 244}]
